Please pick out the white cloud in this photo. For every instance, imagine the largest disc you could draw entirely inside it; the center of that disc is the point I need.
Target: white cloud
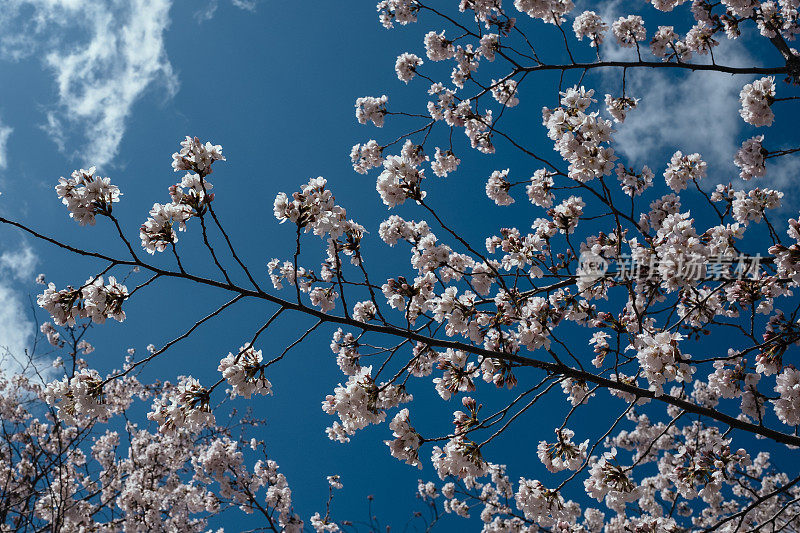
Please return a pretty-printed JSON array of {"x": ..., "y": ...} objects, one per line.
[
  {"x": 694, "y": 113},
  {"x": 55, "y": 129},
  {"x": 207, "y": 13},
  {"x": 5, "y": 132},
  {"x": 781, "y": 175},
  {"x": 16, "y": 325},
  {"x": 678, "y": 110},
  {"x": 691, "y": 111},
  {"x": 99, "y": 77},
  {"x": 16, "y": 330},
  {"x": 249, "y": 5},
  {"x": 19, "y": 263}
]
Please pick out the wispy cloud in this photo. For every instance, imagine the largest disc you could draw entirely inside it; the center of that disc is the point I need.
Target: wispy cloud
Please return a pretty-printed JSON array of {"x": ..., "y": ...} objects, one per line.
[
  {"x": 678, "y": 110},
  {"x": 695, "y": 113},
  {"x": 5, "y": 133},
  {"x": 19, "y": 263},
  {"x": 16, "y": 326},
  {"x": 207, "y": 13},
  {"x": 55, "y": 130},
  {"x": 687, "y": 111},
  {"x": 248, "y": 5},
  {"x": 16, "y": 330},
  {"x": 98, "y": 77},
  {"x": 210, "y": 9},
  {"x": 782, "y": 175}
]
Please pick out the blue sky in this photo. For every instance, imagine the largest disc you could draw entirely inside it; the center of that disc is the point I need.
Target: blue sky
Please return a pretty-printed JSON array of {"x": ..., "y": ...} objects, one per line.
[{"x": 119, "y": 84}]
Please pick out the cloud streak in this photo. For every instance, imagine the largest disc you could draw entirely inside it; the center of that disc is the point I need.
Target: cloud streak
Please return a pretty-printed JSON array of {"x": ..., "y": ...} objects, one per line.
[
  {"x": 695, "y": 113},
  {"x": 16, "y": 326},
  {"x": 210, "y": 9},
  {"x": 5, "y": 133},
  {"x": 19, "y": 263},
  {"x": 99, "y": 77},
  {"x": 208, "y": 12},
  {"x": 687, "y": 111},
  {"x": 247, "y": 5},
  {"x": 16, "y": 330}
]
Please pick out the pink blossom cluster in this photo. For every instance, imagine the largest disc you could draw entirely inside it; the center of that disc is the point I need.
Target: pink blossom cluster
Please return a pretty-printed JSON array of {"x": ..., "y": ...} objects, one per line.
[{"x": 87, "y": 195}]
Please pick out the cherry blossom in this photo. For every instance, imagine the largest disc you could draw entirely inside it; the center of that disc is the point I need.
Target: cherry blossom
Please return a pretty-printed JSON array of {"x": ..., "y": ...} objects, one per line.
[
  {"x": 604, "y": 283},
  {"x": 589, "y": 24},
  {"x": 497, "y": 188},
  {"x": 406, "y": 441},
  {"x": 629, "y": 30},
  {"x": 87, "y": 195},
  {"x": 750, "y": 158},
  {"x": 360, "y": 402},
  {"x": 186, "y": 406},
  {"x": 406, "y": 67},
  {"x": 244, "y": 373},
  {"x": 756, "y": 99},
  {"x": 437, "y": 47},
  {"x": 371, "y": 109},
  {"x": 195, "y": 156},
  {"x": 366, "y": 156},
  {"x": 562, "y": 454}
]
